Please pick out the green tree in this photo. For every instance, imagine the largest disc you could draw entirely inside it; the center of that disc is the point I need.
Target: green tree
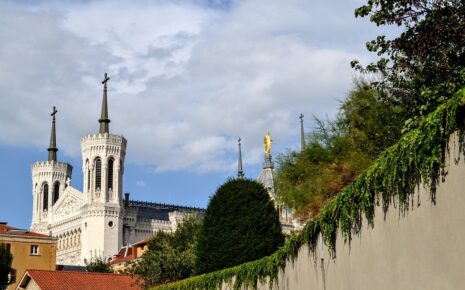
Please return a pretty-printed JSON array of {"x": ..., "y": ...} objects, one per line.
[
  {"x": 98, "y": 265},
  {"x": 424, "y": 65},
  {"x": 170, "y": 256},
  {"x": 240, "y": 225},
  {"x": 337, "y": 151},
  {"x": 6, "y": 258}
]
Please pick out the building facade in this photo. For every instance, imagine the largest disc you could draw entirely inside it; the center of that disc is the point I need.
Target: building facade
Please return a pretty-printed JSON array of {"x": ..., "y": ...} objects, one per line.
[
  {"x": 30, "y": 251},
  {"x": 97, "y": 221}
]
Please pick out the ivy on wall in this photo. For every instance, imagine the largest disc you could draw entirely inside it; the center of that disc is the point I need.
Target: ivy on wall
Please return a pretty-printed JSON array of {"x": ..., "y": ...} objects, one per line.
[{"x": 418, "y": 157}]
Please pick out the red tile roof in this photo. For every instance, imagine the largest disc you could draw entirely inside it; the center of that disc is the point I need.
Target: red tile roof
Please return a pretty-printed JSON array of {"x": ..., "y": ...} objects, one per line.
[
  {"x": 11, "y": 231},
  {"x": 143, "y": 242},
  {"x": 125, "y": 254},
  {"x": 66, "y": 280}
]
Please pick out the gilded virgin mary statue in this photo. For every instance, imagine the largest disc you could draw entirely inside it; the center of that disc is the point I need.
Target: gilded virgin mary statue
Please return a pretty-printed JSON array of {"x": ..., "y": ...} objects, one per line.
[{"x": 267, "y": 143}]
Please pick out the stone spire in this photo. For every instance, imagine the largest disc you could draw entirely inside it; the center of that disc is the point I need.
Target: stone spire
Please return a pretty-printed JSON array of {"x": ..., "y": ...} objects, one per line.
[
  {"x": 52, "y": 149},
  {"x": 240, "y": 172},
  {"x": 104, "y": 121},
  {"x": 302, "y": 135}
]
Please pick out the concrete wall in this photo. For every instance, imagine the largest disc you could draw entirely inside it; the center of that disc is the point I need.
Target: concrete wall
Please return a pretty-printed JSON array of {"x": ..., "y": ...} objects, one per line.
[{"x": 425, "y": 249}]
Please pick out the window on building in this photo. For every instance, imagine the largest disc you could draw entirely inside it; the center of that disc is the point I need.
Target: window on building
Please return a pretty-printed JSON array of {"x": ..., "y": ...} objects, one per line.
[
  {"x": 56, "y": 192},
  {"x": 88, "y": 174},
  {"x": 34, "y": 250},
  {"x": 12, "y": 276},
  {"x": 98, "y": 173},
  {"x": 110, "y": 174},
  {"x": 8, "y": 247},
  {"x": 88, "y": 179},
  {"x": 45, "y": 197}
]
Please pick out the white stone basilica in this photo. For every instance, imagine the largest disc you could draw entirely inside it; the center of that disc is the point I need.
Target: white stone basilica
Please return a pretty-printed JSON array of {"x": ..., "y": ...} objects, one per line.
[{"x": 98, "y": 221}]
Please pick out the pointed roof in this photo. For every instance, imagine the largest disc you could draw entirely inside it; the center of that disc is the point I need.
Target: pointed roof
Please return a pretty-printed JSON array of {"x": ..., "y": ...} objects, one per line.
[
  {"x": 302, "y": 135},
  {"x": 240, "y": 171},
  {"x": 104, "y": 121},
  {"x": 52, "y": 149}
]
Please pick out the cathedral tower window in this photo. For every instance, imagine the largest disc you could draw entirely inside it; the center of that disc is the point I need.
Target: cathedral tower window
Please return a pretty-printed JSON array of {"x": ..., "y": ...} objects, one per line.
[
  {"x": 56, "y": 192},
  {"x": 110, "y": 174},
  {"x": 98, "y": 173},
  {"x": 88, "y": 174},
  {"x": 45, "y": 197}
]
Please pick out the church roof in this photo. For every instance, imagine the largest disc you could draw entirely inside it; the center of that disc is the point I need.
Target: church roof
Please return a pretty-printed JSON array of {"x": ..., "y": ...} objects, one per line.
[
  {"x": 159, "y": 211},
  {"x": 64, "y": 280}
]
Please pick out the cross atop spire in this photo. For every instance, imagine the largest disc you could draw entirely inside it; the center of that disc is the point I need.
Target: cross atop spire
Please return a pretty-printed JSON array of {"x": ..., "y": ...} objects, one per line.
[
  {"x": 302, "y": 135},
  {"x": 52, "y": 149},
  {"x": 240, "y": 172},
  {"x": 104, "y": 121}
]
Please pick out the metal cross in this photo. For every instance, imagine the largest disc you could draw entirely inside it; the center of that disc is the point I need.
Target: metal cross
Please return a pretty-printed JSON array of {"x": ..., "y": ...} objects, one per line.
[
  {"x": 301, "y": 117},
  {"x": 54, "y": 112},
  {"x": 106, "y": 78}
]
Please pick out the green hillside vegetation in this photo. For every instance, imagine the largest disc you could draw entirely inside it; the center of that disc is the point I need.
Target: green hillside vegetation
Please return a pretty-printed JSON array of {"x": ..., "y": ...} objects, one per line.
[
  {"x": 338, "y": 151},
  {"x": 418, "y": 157}
]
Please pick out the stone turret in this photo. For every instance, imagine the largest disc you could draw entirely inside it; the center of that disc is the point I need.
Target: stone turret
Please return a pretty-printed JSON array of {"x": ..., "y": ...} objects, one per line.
[
  {"x": 267, "y": 179},
  {"x": 103, "y": 166},
  {"x": 48, "y": 183}
]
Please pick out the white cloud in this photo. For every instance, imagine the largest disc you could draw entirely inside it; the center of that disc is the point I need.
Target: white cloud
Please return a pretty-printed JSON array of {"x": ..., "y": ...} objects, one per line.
[
  {"x": 186, "y": 78},
  {"x": 140, "y": 183}
]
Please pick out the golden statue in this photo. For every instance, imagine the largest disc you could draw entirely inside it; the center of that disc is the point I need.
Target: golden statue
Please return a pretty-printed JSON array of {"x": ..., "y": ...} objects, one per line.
[{"x": 267, "y": 143}]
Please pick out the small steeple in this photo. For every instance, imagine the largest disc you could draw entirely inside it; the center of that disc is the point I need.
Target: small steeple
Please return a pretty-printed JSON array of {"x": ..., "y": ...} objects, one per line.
[
  {"x": 52, "y": 149},
  {"x": 302, "y": 135},
  {"x": 104, "y": 121},
  {"x": 240, "y": 172}
]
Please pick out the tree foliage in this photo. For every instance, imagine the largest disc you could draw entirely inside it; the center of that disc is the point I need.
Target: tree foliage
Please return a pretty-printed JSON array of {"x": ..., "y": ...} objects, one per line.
[
  {"x": 424, "y": 65},
  {"x": 6, "y": 258},
  {"x": 170, "y": 256},
  {"x": 241, "y": 224},
  {"x": 337, "y": 151},
  {"x": 98, "y": 265},
  {"x": 419, "y": 156}
]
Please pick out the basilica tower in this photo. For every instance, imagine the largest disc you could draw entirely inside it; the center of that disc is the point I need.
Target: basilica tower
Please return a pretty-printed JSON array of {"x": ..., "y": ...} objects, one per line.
[
  {"x": 49, "y": 180},
  {"x": 103, "y": 166}
]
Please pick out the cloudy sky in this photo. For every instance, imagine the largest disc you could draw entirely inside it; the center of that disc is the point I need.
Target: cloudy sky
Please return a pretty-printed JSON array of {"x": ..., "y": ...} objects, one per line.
[{"x": 187, "y": 78}]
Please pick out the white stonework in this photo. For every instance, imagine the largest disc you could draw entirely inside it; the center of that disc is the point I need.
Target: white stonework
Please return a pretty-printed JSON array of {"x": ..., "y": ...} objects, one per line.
[
  {"x": 267, "y": 179},
  {"x": 96, "y": 222}
]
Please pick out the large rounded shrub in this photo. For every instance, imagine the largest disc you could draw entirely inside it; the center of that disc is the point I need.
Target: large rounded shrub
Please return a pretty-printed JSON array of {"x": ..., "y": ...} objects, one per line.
[{"x": 241, "y": 224}]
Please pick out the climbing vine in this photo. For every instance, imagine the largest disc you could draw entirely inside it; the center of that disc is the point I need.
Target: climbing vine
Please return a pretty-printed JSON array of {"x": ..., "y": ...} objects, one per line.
[{"x": 418, "y": 157}]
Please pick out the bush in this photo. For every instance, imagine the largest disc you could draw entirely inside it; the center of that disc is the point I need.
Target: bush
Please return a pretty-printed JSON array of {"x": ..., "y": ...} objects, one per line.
[
  {"x": 170, "y": 256},
  {"x": 241, "y": 224},
  {"x": 98, "y": 265}
]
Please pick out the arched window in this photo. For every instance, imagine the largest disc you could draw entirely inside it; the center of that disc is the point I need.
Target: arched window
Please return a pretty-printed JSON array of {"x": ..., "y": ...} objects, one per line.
[
  {"x": 56, "y": 192},
  {"x": 98, "y": 173},
  {"x": 88, "y": 174},
  {"x": 45, "y": 197},
  {"x": 110, "y": 174}
]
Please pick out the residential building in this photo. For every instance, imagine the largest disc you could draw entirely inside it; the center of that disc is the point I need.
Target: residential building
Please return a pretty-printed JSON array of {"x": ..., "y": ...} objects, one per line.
[
  {"x": 127, "y": 254},
  {"x": 30, "y": 251}
]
